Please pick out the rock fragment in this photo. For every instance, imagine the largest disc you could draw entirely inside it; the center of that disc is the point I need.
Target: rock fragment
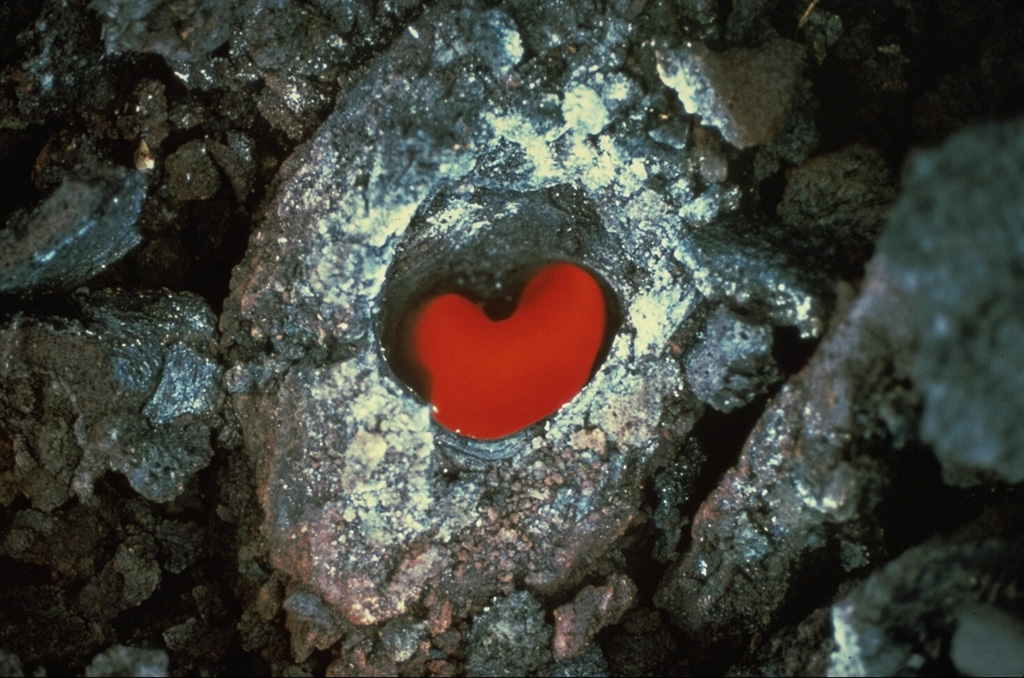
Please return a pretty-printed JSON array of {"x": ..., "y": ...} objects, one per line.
[
  {"x": 10, "y": 665},
  {"x": 953, "y": 247},
  {"x": 48, "y": 627},
  {"x": 122, "y": 660},
  {"x": 191, "y": 173},
  {"x": 133, "y": 386},
  {"x": 104, "y": 559},
  {"x": 803, "y": 649},
  {"x": 652, "y": 653},
  {"x": 68, "y": 542},
  {"x": 591, "y": 662},
  {"x": 85, "y": 225},
  {"x": 57, "y": 71},
  {"x": 732, "y": 363},
  {"x": 904, "y": 618},
  {"x": 509, "y": 639},
  {"x": 401, "y": 639},
  {"x": 747, "y": 94},
  {"x": 312, "y": 624},
  {"x": 439, "y": 170},
  {"x": 186, "y": 30},
  {"x": 593, "y": 608},
  {"x": 127, "y": 580},
  {"x": 749, "y": 262},
  {"x": 799, "y": 502},
  {"x": 674, "y": 486},
  {"x": 148, "y": 121},
  {"x": 841, "y": 200}
]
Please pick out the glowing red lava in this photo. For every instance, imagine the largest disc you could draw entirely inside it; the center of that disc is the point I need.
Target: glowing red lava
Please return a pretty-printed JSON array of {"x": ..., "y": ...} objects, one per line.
[{"x": 490, "y": 378}]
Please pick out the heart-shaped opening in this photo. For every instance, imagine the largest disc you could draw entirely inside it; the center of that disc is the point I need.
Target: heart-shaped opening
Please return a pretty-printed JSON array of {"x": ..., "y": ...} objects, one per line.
[{"x": 491, "y": 367}]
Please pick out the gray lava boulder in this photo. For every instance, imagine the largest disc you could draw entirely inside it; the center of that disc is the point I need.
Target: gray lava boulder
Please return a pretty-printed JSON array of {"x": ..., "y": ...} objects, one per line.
[
  {"x": 457, "y": 162},
  {"x": 954, "y": 247}
]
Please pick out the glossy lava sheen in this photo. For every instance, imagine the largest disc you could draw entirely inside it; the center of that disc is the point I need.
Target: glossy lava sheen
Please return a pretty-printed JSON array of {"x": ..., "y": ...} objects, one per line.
[{"x": 490, "y": 378}]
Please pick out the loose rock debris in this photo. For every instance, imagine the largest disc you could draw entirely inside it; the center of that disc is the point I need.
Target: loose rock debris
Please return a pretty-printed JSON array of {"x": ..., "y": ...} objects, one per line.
[{"x": 236, "y": 476}]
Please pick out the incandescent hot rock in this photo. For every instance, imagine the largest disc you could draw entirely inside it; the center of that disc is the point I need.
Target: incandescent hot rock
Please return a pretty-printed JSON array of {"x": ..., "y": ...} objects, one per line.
[
  {"x": 132, "y": 385},
  {"x": 456, "y": 164}
]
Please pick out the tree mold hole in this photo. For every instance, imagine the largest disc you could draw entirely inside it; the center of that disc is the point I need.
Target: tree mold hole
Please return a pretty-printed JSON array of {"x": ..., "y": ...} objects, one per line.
[{"x": 498, "y": 308}]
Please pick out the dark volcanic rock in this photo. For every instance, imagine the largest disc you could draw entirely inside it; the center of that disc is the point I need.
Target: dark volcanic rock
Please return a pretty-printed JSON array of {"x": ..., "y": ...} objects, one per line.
[
  {"x": 509, "y": 639},
  {"x": 902, "y": 618},
  {"x": 134, "y": 386},
  {"x": 375, "y": 152},
  {"x": 749, "y": 263},
  {"x": 82, "y": 227},
  {"x": 593, "y": 608},
  {"x": 798, "y": 505},
  {"x": 191, "y": 174},
  {"x": 181, "y": 30},
  {"x": 436, "y": 171},
  {"x": 840, "y": 200},
  {"x": 47, "y": 627},
  {"x": 732, "y": 363},
  {"x": 747, "y": 94},
  {"x": 801, "y": 650},
  {"x": 954, "y": 248}
]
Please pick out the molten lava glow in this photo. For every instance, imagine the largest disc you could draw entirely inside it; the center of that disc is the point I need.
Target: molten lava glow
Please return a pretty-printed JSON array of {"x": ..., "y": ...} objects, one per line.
[{"x": 488, "y": 378}]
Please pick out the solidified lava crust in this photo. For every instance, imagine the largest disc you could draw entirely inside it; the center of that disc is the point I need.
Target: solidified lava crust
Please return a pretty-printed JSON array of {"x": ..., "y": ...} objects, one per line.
[{"x": 797, "y": 451}]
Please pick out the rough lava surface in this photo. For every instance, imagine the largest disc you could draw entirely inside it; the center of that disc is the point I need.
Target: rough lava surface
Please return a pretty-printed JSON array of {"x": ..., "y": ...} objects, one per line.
[
  {"x": 128, "y": 382},
  {"x": 366, "y": 502},
  {"x": 955, "y": 246},
  {"x": 799, "y": 452}
]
